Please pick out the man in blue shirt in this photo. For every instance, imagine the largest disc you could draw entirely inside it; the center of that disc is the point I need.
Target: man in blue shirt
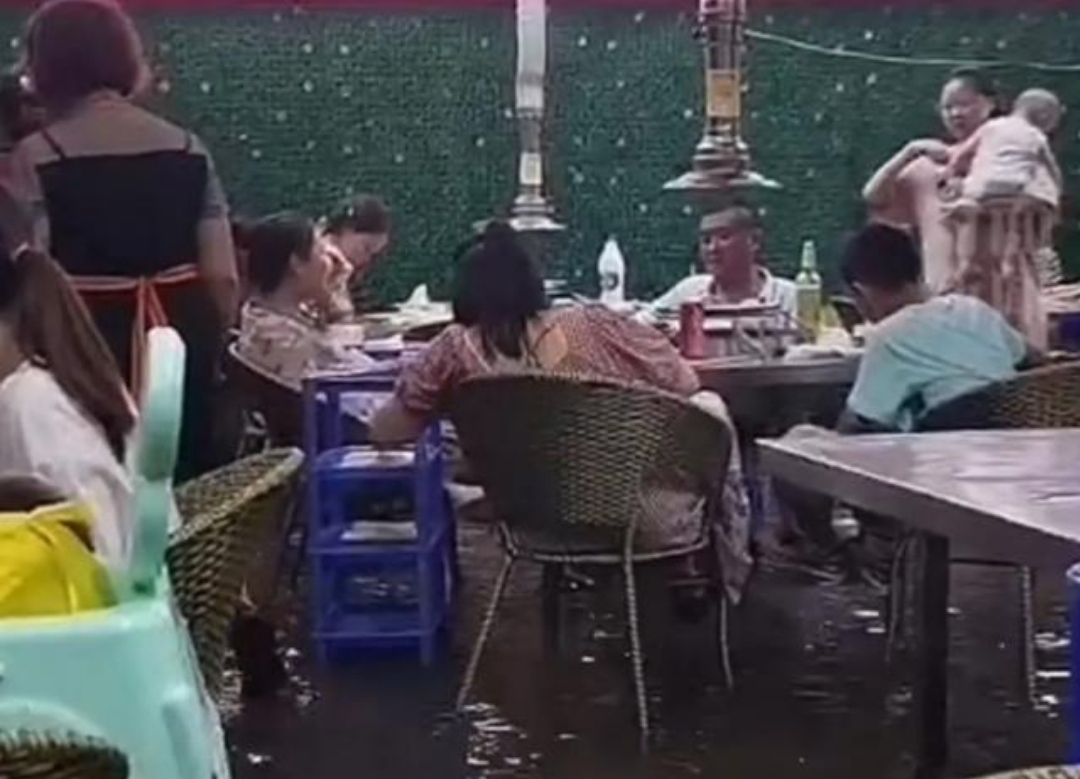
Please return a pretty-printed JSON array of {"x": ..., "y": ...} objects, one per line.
[{"x": 922, "y": 351}]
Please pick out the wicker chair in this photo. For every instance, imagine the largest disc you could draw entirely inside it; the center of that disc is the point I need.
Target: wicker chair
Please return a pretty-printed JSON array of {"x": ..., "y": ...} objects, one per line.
[
  {"x": 273, "y": 411},
  {"x": 1043, "y": 772},
  {"x": 1040, "y": 398},
  {"x": 1046, "y": 397},
  {"x": 570, "y": 467},
  {"x": 28, "y": 754},
  {"x": 227, "y": 515}
]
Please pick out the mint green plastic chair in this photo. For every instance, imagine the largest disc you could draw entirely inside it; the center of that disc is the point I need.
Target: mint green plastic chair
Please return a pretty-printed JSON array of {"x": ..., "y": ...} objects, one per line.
[{"x": 127, "y": 674}]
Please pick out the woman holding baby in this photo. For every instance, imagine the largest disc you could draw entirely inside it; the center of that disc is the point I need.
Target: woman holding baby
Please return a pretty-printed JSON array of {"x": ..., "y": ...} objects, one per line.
[{"x": 975, "y": 238}]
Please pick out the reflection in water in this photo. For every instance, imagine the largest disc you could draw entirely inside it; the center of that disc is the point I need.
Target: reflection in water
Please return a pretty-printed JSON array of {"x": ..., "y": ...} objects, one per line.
[{"x": 814, "y": 696}]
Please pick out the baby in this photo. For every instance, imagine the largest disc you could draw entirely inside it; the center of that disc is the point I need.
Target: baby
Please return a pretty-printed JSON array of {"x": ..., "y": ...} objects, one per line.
[{"x": 1010, "y": 156}]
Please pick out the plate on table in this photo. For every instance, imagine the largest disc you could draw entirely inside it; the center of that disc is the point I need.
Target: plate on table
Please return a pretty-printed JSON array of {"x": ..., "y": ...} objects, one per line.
[
  {"x": 821, "y": 352},
  {"x": 385, "y": 347}
]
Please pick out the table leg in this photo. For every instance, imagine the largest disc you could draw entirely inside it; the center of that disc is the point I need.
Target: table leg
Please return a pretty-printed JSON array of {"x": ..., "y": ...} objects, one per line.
[
  {"x": 1074, "y": 664},
  {"x": 934, "y": 660}
]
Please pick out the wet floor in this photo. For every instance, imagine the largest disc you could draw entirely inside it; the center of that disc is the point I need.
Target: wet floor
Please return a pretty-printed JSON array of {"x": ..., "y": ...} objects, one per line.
[{"x": 814, "y": 695}]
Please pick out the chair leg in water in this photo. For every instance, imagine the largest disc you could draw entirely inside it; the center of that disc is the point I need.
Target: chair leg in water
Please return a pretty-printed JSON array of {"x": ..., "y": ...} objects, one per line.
[
  {"x": 1026, "y": 638},
  {"x": 722, "y": 614},
  {"x": 635, "y": 653},
  {"x": 897, "y": 597},
  {"x": 485, "y": 630},
  {"x": 551, "y": 583}
]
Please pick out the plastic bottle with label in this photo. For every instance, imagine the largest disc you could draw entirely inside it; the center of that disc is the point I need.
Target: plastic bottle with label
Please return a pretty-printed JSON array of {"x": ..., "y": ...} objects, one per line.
[{"x": 611, "y": 269}]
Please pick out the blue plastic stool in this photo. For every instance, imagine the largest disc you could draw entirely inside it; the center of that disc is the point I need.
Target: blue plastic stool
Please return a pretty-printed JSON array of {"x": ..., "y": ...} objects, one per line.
[
  {"x": 344, "y": 565},
  {"x": 1074, "y": 664},
  {"x": 126, "y": 674}
]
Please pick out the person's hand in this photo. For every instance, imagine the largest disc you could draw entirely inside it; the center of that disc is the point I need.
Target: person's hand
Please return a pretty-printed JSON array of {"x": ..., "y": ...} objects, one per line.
[{"x": 934, "y": 149}]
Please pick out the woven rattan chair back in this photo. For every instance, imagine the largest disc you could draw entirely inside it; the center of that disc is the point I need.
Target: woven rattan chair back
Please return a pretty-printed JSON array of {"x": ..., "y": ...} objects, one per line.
[
  {"x": 556, "y": 451},
  {"x": 1045, "y": 772},
  {"x": 1041, "y": 398},
  {"x": 58, "y": 755},
  {"x": 227, "y": 515}
]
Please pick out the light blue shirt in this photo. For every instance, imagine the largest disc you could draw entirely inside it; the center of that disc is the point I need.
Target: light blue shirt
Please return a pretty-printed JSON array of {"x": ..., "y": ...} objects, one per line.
[{"x": 927, "y": 354}]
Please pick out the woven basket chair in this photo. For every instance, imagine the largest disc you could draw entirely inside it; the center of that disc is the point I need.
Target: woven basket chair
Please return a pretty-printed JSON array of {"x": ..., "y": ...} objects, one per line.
[
  {"x": 1044, "y": 772},
  {"x": 570, "y": 465},
  {"x": 1046, "y": 397},
  {"x": 26, "y": 754},
  {"x": 227, "y": 516}
]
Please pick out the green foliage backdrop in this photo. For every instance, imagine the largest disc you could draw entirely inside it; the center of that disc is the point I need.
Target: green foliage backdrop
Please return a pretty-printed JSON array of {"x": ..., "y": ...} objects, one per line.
[{"x": 301, "y": 108}]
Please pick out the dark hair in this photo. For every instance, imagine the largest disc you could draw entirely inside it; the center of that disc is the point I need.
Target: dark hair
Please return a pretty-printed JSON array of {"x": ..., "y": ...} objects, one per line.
[
  {"x": 365, "y": 214},
  {"x": 499, "y": 289},
  {"x": 53, "y": 328},
  {"x": 77, "y": 47},
  {"x": 15, "y": 100},
  {"x": 981, "y": 83},
  {"x": 271, "y": 243},
  {"x": 25, "y": 492},
  {"x": 881, "y": 257}
]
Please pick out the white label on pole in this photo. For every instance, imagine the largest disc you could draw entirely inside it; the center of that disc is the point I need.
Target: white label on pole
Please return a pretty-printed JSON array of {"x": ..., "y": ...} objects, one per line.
[{"x": 531, "y": 172}]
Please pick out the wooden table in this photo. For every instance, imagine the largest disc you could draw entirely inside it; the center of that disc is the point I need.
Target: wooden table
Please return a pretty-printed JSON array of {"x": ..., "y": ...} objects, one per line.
[{"x": 1012, "y": 494}]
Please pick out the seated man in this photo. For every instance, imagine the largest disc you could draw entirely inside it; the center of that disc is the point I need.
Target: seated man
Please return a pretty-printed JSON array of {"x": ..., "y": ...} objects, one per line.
[
  {"x": 922, "y": 351},
  {"x": 731, "y": 254}
]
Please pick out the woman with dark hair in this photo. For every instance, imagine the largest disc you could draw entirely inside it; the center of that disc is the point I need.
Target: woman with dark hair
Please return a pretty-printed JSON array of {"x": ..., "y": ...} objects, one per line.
[
  {"x": 502, "y": 324},
  {"x": 64, "y": 412},
  {"x": 289, "y": 271},
  {"x": 356, "y": 232},
  {"x": 127, "y": 203},
  {"x": 906, "y": 192}
]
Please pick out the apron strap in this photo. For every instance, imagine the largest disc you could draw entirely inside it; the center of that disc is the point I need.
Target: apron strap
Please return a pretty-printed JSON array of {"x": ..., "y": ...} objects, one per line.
[{"x": 149, "y": 310}]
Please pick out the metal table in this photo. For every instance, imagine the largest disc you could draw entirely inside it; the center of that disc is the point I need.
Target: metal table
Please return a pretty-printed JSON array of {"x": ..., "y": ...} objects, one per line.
[{"x": 1012, "y": 494}]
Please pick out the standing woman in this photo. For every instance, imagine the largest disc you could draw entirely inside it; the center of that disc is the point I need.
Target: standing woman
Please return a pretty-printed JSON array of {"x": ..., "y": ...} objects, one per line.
[
  {"x": 127, "y": 203},
  {"x": 906, "y": 192}
]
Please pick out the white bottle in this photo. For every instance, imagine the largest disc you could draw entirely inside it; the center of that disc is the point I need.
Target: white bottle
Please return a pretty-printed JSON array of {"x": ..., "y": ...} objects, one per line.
[{"x": 611, "y": 269}]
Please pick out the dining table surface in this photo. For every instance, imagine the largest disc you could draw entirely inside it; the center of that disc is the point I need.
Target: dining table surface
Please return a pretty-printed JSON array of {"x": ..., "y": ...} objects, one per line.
[
  {"x": 1009, "y": 494},
  {"x": 727, "y": 374},
  {"x": 1005, "y": 495}
]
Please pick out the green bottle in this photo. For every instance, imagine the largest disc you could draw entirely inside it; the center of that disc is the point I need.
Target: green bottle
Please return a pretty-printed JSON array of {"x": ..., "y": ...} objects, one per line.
[{"x": 808, "y": 292}]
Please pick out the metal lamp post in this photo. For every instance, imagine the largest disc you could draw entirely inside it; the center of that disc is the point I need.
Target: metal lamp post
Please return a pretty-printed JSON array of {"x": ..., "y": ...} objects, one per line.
[
  {"x": 722, "y": 161},
  {"x": 531, "y": 212}
]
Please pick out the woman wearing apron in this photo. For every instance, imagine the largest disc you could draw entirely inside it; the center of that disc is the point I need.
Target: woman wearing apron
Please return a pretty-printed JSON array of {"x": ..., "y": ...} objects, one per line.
[{"x": 127, "y": 203}]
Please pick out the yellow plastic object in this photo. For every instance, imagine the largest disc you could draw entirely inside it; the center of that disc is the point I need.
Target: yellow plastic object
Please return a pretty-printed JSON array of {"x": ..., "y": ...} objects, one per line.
[{"x": 45, "y": 568}]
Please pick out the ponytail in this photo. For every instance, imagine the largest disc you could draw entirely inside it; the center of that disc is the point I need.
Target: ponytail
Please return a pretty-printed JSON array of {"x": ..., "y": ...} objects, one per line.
[{"x": 52, "y": 327}]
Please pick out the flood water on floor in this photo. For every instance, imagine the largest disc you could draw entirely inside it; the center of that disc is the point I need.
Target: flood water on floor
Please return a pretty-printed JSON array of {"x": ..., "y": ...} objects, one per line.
[{"x": 814, "y": 697}]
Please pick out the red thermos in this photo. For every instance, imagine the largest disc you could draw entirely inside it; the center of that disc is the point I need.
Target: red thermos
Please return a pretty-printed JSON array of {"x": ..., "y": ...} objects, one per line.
[{"x": 692, "y": 330}]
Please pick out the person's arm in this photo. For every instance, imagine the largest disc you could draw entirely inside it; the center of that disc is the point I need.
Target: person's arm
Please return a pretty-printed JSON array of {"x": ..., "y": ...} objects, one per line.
[
  {"x": 883, "y": 387},
  {"x": 1050, "y": 161},
  {"x": 881, "y": 191},
  {"x": 674, "y": 297},
  {"x": 25, "y": 187},
  {"x": 217, "y": 255},
  {"x": 851, "y": 423},
  {"x": 421, "y": 393},
  {"x": 962, "y": 156}
]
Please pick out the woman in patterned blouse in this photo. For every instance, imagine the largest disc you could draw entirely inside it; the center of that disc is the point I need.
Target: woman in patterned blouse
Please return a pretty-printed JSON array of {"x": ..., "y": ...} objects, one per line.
[{"x": 503, "y": 325}]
